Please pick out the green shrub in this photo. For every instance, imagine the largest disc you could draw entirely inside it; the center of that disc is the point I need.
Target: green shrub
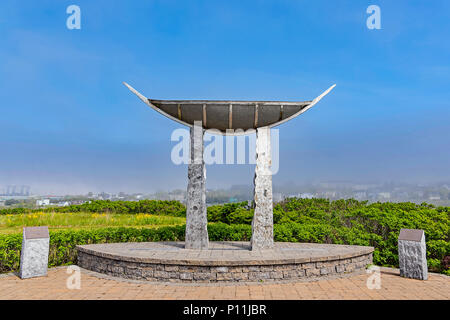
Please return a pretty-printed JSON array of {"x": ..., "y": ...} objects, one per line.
[
  {"x": 158, "y": 207},
  {"x": 224, "y": 232},
  {"x": 63, "y": 243},
  {"x": 352, "y": 222},
  {"x": 230, "y": 213},
  {"x": 296, "y": 220}
]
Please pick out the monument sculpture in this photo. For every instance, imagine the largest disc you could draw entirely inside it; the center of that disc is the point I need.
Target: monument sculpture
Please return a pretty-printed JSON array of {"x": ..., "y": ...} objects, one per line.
[
  {"x": 230, "y": 118},
  {"x": 198, "y": 259}
]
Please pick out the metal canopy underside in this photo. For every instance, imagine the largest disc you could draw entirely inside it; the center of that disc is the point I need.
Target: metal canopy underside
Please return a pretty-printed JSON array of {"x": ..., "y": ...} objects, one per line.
[{"x": 225, "y": 115}]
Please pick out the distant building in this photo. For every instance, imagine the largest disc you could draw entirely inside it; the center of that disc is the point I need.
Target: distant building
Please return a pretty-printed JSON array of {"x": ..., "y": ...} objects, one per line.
[
  {"x": 21, "y": 191},
  {"x": 360, "y": 195},
  {"x": 104, "y": 196},
  {"x": 363, "y": 187},
  {"x": 434, "y": 197},
  {"x": 330, "y": 194},
  {"x": 177, "y": 197},
  {"x": 277, "y": 197},
  {"x": 384, "y": 195},
  {"x": 77, "y": 202},
  {"x": 43, "y": 202}
]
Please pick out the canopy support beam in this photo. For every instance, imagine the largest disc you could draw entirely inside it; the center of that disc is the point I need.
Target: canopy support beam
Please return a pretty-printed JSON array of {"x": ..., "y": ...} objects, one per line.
[
  {"x": 262, "y": 224},
  {"x": 196, "y": 217}
]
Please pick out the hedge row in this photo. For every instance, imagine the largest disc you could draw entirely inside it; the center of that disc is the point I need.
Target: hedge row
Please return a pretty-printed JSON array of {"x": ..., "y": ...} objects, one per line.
[
  {"x": 158, "y": 207},
  {"x": 62, "y": 243},
  {"x": 353, "y": 222}
]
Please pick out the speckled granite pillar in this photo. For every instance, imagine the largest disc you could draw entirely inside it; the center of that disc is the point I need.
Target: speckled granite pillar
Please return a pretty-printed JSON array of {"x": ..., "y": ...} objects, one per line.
[
  {"x": 412, "y": 254},
  {"x": 196, "y": 217},
  {"x": 34, "y": 253},
  {"x": 262, "y": 224}
]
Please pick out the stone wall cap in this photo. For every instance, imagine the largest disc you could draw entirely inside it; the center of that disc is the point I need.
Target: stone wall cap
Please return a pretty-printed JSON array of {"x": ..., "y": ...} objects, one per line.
[
  {"x": 411, "y": 235},
  {"x": 36, "y": 232}
]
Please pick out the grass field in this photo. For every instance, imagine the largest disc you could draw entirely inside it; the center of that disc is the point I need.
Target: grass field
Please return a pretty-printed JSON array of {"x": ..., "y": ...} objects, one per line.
[{"x": 56, "y": 221}]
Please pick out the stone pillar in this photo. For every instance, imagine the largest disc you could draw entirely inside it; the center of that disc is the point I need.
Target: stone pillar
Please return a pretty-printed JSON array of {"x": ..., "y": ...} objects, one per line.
[
  {"x": 412, "y": 254},
  {"x": 262, "y": 224},
  {"x": 196, "y": 218},
  {"x": 34, "y": 253}
]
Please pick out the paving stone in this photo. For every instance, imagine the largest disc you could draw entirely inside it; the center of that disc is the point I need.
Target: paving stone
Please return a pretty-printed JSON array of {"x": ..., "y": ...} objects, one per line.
[
  {"x": 99, "y": 286},
  {"x": 340, "y": 268},
  {"x": 186, "y": 275},
  {"x": 171, "y": 268}
]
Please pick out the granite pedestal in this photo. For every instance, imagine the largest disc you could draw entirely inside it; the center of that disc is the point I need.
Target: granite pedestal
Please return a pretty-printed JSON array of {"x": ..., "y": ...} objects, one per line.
[
  {"x": 34, "y": 254},
  {"x": 412, "y": 254}
]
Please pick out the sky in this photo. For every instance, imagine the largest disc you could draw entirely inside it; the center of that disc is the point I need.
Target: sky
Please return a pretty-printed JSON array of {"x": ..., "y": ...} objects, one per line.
[{"x": 69, "y": 125}]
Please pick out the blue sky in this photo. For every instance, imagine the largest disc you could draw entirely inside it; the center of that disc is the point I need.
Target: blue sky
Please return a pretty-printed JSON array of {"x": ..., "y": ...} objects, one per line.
[{"x": 68, "y": 125}]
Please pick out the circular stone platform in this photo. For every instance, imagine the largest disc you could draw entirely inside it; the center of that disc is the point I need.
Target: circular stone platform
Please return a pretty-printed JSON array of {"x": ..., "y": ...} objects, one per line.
[{"x": 222, "y": 262}]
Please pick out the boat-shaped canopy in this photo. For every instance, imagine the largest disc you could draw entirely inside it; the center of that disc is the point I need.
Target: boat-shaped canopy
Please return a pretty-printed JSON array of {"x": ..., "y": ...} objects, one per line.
[{"x": 228, "y": 116}]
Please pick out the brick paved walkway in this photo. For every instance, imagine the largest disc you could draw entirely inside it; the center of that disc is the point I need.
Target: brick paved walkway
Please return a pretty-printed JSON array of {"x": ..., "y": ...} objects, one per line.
[{"x": 96, "y": 286}]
